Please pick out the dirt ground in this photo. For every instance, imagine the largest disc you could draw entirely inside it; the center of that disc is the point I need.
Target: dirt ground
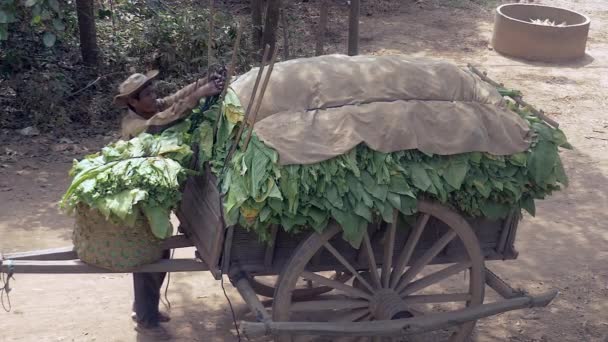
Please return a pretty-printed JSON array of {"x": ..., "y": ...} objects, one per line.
[{"x": 565, "y": 247}]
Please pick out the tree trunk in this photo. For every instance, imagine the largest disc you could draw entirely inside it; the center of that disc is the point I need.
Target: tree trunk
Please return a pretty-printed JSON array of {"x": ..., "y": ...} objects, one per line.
[
  {"x": 285, "y": 33},
  {"x": 88, "y": 36},
  {"x": 353, "y": 28},
  {"x": 256, "y": 20},
  {"x": 321, "y": 28},
  {"x": 273, "y": 13}
]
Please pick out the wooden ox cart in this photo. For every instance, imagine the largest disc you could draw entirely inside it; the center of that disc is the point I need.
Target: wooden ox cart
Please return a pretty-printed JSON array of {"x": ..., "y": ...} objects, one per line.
[
  {"x": 406, "y": 278},
  {"x": 399, "y": 282}
]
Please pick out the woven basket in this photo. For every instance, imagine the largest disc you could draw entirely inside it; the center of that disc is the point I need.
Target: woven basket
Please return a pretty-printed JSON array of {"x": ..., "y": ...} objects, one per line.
[{"x": 102, "y": 243}]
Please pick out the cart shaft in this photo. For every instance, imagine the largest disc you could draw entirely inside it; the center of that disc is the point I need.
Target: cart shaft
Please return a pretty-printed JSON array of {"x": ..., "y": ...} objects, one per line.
[{"x": 398, "y": 327}]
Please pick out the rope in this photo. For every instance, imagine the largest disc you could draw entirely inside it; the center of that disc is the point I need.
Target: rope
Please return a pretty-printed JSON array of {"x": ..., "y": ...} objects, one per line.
[
  {"x": 166, "y": 302},
  {"x": 236, "y": 326},
  {"x": 5, "y": 288}
]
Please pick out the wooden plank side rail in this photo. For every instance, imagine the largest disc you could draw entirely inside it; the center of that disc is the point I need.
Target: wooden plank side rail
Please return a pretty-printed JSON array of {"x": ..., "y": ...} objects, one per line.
[
  {"x": 68, "y": 253},
  {"x": 398, "y": 327},
  {"x": 77, "y": 266}
]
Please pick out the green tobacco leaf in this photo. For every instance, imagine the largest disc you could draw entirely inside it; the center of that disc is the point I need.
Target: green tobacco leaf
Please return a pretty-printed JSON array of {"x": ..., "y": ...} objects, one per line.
[
  {"x": 373, "y": 188},
  {"x": 494, "y": 210},
  {"x": 265, "y": 214},
  {"x": 528, "y": 205},
  {"x": 456, "y": 173},
  {"x": 333, "y": 197},
  {"x": 409, "y": 205},
  {"x": 362, "y": 210},
  {"x": 420, "y": 177},
  {"x": 159, "y": 221},
  {"x": 30, "y": 3},
  {"x": 259, "y": 171},
  {"x": 399, "y": 186},
  {"x": 519, "y": 159},
  {"x": 542, "y": 160},
  {"x": 560, "y": 173}
]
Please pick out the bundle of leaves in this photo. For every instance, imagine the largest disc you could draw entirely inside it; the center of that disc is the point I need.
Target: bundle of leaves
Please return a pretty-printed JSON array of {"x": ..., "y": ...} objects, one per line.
[
  {"x": 363, "y": 185},
  {"x": 127, "y": 179}
]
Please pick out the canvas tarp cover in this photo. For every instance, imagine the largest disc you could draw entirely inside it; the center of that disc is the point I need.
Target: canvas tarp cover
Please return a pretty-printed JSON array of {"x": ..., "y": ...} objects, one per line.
[{"x": 317, "y": 108}]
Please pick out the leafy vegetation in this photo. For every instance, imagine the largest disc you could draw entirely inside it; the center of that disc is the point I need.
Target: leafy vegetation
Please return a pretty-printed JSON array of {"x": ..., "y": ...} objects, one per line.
[
  {"x": 356, "y": 188},
  {"x": 128, "y": 179}
]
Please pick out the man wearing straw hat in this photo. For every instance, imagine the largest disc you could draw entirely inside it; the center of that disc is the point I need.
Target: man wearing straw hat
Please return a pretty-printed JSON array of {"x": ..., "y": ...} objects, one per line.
[{"x": 147, "y": 113}]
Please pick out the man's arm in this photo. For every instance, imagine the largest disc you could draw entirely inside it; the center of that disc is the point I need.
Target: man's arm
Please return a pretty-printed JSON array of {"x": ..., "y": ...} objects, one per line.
[
  {"x": 186, "y": 91},
  {"x": 182, "y": 107}
]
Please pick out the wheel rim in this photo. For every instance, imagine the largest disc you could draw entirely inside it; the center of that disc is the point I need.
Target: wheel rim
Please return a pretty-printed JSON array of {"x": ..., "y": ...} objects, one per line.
[
  {"x": 393, "y": 291},
  {"x": 266, "y": 286}
]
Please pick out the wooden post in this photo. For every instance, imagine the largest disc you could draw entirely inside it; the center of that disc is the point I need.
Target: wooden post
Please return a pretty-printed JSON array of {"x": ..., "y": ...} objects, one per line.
[
  {"x": 323, "y": 9},
  {"x": 239, "y": 280},
  {"x": 353, "y": 28}
]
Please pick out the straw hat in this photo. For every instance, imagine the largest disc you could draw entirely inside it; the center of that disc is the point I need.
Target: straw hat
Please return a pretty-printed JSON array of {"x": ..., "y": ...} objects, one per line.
[{"x": 132, "y": 85}]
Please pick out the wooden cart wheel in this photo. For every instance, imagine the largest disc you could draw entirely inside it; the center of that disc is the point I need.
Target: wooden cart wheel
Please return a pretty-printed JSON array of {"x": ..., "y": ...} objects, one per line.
[
  {"x": 399, "y": 287},
  {"x": 266, "y": 286}
]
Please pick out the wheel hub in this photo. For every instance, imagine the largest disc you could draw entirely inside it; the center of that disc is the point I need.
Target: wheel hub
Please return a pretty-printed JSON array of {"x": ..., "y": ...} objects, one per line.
[{"x": 387, "y": 304}]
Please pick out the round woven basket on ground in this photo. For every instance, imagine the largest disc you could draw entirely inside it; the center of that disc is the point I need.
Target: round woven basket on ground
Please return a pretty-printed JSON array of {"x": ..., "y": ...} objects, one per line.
[{"x": 102, "y": 243}]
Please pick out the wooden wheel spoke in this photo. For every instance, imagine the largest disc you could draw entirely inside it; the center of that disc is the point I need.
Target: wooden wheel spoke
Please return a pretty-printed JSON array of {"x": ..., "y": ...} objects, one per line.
[
  {"x": 348, "y": 266},
  {"x": 371, "y": 260},
  {"x": 425, "y": 259},
  {"x": 437, "y": 298},
  {"x": 434, "y": 278},
  {"x": 330, "y": 304},
  {"x": 389, "y": 247},
  {"x": 351, "y": 316},
  {"x": 406, "y": 254},
  {"x": 351, "y": 291}
]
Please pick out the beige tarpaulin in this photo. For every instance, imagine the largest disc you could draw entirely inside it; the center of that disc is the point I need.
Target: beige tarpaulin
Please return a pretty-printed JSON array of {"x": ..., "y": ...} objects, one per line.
[{"x": 317, "y": 108}]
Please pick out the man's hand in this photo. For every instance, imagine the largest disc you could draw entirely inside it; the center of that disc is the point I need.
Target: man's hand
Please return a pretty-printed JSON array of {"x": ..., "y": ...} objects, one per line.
[{"x": 215, "y": 85}]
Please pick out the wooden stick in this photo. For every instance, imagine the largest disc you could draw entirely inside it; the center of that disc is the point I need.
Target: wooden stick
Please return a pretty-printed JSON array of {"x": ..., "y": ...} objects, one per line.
[
  {"x": 424, "y": 260},
  {"x": 249, "y": 107},
  {"x": 408, "y": 250},
  {"x": 351, "y": 291},
  {"x": 77, "y": 266},
  {"x": 252, "y": 300},
  {"x": 389, "y": 248},
  {"x": 331, "y": 304},
  {"x": 346, "y": 264},
  {"x": 518, "y": 99},
  {"x": 500, "y": 286},
  {"x": 437, "y": 298},
  {"x": 261, "y": 97},
  {"x": 62, "y": 253},
  {"x": 322, "y": 26},
  {"x": 434, "y": 278},
  {"x": 405, "y": 326},
  {"x": 371, "y": 261}
]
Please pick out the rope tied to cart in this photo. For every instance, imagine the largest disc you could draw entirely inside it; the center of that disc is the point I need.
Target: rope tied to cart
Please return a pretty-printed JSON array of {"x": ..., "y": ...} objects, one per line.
[{"x": 5, "y": 287}]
